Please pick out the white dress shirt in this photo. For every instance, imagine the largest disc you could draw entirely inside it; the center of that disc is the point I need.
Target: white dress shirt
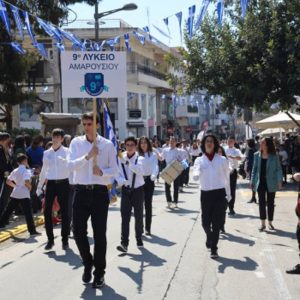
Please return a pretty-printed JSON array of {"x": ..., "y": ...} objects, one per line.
[
  {"x": 195, "y": 152},
  {"x": 150, "y": 165},
  {"x": 234, "y": 163},
  {"x": 18, "y": 176},
  {"x": 82, "y": 168},
  {"x": 134, "y": 164},
  {"x": 213, "y": 174},
  {"x": 185, "y": 153},
  {"x": 169, "y": 154},
  {"x": 55, "y": 165}
]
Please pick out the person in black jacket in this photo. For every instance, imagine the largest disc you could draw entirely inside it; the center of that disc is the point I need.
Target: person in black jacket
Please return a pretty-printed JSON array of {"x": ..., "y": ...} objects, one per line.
[{"x": 249, "y": 164}]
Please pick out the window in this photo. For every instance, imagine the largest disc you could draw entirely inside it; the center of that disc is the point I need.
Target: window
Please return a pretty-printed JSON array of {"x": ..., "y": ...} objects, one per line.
[
  {"x": 144, "y": 106},
  {"x": 132, "y": 101},
  {"x": 151, "y": 106}
]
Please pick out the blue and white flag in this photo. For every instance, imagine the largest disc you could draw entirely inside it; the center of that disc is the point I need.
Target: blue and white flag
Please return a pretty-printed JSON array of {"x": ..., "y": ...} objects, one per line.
[
  {"x": 140, "y": 37},
  {"x": 29, "y": 28},
  {"x": 161, "y": 31},
  {"x": 71, "y": 37},
  {"x": 202, "y": 14},
  {"x": 42, "y": 50},
  {"x": 190, "y": 22},
  {"x": 147, "y": 30},
  {"x": 126, "y": 40},
  {"x": 60, "y": 46},
  {"x": 244, "y": 5},
  {"x": 4, "y": 16},
  {"x": 18, "y": 21},
  {"x": 179, "y": 17},
  {"x": 17, "y": 48},
  {"x": 109, "y": 128},
  {"x": 113, "y": 42},
  {"x": 220, "y": 10},
  {"x": 166, "y": 21}
]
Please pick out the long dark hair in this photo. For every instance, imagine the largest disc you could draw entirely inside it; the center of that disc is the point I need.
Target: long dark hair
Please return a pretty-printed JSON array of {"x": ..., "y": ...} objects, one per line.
[
  {"x": 270, "y": 146},
  {"x": 149, "y": 146},
  {"x": 223, "y": 151},
  {"x": 216, "y": 143}
]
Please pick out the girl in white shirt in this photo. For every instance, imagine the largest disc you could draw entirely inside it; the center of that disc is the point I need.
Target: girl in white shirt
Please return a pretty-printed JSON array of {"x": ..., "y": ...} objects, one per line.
[
  {"x": 207, "y": 168},
  {"x": 151, "y": 171}
]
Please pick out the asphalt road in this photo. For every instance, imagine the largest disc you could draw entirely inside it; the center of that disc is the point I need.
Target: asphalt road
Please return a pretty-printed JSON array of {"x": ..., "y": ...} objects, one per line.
[{"x": 174, "y": 263}]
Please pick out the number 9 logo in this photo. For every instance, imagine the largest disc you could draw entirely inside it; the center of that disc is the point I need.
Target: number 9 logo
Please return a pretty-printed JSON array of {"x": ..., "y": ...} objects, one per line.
[{"x": 93, "y": 86}]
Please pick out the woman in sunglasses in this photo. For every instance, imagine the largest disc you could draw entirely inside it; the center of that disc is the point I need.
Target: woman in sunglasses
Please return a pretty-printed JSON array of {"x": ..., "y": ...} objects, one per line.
[{"x": 212, "y": 171}]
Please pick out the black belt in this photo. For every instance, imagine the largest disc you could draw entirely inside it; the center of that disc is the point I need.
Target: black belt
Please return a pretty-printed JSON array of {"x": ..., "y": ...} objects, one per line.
[
  {"x": 91, "y": 187},
  {"x": 147, "y": 177},
  {"x": 58, "y": 180}
]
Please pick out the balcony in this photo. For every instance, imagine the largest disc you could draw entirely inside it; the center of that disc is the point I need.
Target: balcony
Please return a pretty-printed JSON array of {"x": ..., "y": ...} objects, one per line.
[{"x": 146, "y": 75}]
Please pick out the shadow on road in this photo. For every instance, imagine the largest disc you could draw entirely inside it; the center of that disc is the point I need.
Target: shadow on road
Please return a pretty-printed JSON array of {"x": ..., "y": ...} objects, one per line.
[
  {"x": 70, "y": 258},
  {"x": 243, "y": 216},
  {"x": 237, "y": 239},
  {"x": 244, "y": 265},
  {"x": 146, "y": 259},
  {"x": 106, "y": 293},
  {"x": 154, "y": 239},
  {"x": 287, "y": 234},
  {"x": 182, "y": 211}
]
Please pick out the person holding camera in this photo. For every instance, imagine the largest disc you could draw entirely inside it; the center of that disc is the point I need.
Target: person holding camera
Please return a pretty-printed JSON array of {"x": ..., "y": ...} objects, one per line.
[{"x": 131, "y": 168}]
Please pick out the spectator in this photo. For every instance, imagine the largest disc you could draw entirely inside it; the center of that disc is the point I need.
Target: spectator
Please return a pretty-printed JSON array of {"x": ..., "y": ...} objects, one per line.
[{"x": 35, "y": 152}]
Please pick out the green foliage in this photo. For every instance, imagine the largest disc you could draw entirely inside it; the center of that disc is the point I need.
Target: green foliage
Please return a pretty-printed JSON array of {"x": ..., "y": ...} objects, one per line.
[
  {"x": 251, "y": 63},
  {"x": 22, "y": 131}
]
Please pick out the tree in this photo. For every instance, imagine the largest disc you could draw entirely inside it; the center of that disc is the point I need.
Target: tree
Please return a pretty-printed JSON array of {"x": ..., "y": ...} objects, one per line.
[
  {"x": 251, "y": 63},
  {"x": 14, "y": 67}
]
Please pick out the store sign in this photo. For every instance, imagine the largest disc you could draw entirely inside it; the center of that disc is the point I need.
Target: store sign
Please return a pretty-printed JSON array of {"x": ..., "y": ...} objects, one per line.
[
  {"x": 135, "y": 114},
  {"x": 86, "y": 74}
]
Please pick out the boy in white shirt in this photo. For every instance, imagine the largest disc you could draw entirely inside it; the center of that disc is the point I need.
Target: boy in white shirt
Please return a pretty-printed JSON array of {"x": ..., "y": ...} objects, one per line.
[{"x": 19, "y": 180}]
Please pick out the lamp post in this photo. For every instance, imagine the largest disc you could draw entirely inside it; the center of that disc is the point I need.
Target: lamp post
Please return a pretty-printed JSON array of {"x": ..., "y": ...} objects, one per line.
[{"x": 98, "y": 16}]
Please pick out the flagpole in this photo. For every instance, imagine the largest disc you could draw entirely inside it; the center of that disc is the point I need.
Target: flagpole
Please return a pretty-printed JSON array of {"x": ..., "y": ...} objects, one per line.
[{"x": 94, "y": 127}]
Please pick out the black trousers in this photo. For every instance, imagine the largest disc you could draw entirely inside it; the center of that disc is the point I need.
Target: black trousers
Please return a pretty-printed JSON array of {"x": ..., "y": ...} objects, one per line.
[
  {"x": 263, "y": 201},
  {"x": 134, "y": 201},
  {"x": 213, "y": 206},
  {"x": 91, "y": 203},
  {"x": 70, "y": 203},
  {"x": 148, "y": 193},
  {"x": 233, "y": 180},
  {"x": 60, "y": 190},
  {"x": 27, "y": 210},
  {"x": 284, "y": 173},
  {"x": 298, "y": 235},
  {"x": 176, "y": 185}
]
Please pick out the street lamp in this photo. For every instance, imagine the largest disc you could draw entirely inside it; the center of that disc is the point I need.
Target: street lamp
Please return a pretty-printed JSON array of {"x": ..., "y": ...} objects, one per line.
[{"x": 97, "y": 15}]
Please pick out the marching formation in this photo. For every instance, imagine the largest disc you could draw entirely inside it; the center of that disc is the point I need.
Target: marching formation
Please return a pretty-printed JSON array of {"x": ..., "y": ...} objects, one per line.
[{"x": 78, "y": 174}]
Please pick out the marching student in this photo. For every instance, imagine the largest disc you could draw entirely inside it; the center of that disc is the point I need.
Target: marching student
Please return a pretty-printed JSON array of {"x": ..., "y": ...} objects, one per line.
[
  {"x": 234, "y": 155},
  {"x": 54, "y": 175},
  {"x": 94, "y": 166},
  {"x": 169, "y": 154},
  {"x": 131, "y": 170},
  {"x": 187, "y": 157},
  {"x": 19, "y": 180},
  {"x": 212, "y": 170},
  {"x": 151, "y": 171},
  {"x": 195, "y": 151}
]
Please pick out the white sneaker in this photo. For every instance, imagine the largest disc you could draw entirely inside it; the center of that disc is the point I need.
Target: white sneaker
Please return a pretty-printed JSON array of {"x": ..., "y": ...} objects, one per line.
[
  {"x": 169, "y": 204},
  {"x": 175, "y": 205}
]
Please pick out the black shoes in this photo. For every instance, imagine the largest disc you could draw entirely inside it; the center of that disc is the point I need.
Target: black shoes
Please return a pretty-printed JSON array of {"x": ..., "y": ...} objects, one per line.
[
  {"x": 271, "y": 227},
  {"x": 208, "y": 244},
  {"x": 262, "y": 228},
  {"x": 87, "y": 274},
  {"x": 65, "y": 245},
  {"x": 98, "y": 282},
  {"x": 253, "y": 200},
  {"x": 122, "y": 248},
  {"x": 231, "y": 212},
  {"x": 49, "y": 245},
  {"x": 214, "y": 254},
  {"x": 35, "y": 233},
  {"x": 148, "y": 232},
  {"x": 139, "y": 243},
  {"x": 295, "y": 270}
]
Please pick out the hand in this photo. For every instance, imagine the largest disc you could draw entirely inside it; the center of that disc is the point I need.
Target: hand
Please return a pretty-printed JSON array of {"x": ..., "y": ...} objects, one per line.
[
  {"x": 228, "y": 198},
  {"x": 153, "y": 177},
  {"x": 97, "y": 171},
  {"x": 297, "y": 177},
  {"x": 123, "y": 160},
  {"x": 94, "y": 152},
  {"x": 39, "y": 192}
]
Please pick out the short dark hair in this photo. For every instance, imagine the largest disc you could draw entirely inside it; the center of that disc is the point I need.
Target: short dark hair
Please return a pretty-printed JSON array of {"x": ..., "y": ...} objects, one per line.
[
  {"x": 251, "y": 143},
  {"x": 21, "y": 157},
  {"x": 58, "y": 132},
  {"x": 130, "y": 139},
  {"x": 149, "y": 146},
  {"x": 90, "y": 116},
  {"x": 231, "y": 137},
  {"x": 216, "y": 143},
  {"x": 4, "y": 136}
]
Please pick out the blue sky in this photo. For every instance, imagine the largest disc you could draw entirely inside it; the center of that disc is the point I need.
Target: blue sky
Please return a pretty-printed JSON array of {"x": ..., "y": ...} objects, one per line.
[{"x": 158, "y": 9}]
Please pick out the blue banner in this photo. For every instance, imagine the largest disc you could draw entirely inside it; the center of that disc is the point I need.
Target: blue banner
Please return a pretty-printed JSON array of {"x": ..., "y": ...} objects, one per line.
[
  {"x": 220, "y": 10},
  {"x": 29, "y": 28},
  {"x": 4, "y": 16},
  {"x": 202, "y": 14},
  {"x": 179, "y": 17},
  {"x": 190, "y": 22},
  {"x": 18, "y": 21}
]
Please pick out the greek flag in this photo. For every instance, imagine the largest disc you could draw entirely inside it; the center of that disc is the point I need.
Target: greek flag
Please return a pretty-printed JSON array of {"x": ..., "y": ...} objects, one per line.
[
  {"x": 4, "y": 16},
  {"x": 71, "y": 37},
  {"x": 140, "y": 37},
  {"x": 42, "y": 50},
  {"x": 244, "y": 5},
  {"x": 17, "y": 48},
  {"x": 18, "y": 21},
  {"x": 179, "y": 17},
  {"x": 220, "y": 10},
  {"x": 29, "y": 28},
  {"x": 109, "y": 128},
  {"x": 126, "y": 39},
  {"x": 192, "y": 10},
  {"x": 166, "y": 21},
  {"x": 147, "y": 30},
  {"x": 161, "y": 31},
  {"x": 203, "y": 11}
]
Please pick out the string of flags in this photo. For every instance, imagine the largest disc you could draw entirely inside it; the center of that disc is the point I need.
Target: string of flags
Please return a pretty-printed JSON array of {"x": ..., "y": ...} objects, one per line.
[{"x": 22, "y": 19}]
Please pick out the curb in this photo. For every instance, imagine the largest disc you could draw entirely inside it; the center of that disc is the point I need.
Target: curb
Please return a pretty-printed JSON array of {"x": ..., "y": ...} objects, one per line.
[{"x": 8, "y": 233}]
